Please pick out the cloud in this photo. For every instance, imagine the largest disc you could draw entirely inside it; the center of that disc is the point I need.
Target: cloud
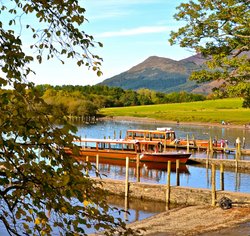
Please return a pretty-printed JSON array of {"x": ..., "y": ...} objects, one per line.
[{"x": 136, "y": 31}]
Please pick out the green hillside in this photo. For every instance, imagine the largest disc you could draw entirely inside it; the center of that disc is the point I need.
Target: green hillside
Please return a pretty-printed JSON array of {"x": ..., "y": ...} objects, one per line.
[{"x": 209, "y": 111}]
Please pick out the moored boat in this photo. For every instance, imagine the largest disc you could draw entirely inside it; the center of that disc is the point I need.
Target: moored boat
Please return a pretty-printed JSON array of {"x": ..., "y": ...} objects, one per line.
[
  {"x": 148, "y": 151},
  {"x": 168, "y": 137}
]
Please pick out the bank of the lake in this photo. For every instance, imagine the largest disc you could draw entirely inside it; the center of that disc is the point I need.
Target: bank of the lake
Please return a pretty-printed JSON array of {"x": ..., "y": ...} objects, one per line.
[
  {"x": 163, "y": 122},
  {"x": 212, "y": 112}
]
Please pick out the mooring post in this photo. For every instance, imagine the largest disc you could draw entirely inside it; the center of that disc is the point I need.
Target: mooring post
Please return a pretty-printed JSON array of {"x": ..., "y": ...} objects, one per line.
[
  {"x": 120, "y": 134},
  {"x": 187, "y": 144},
  {"x": 222, "y": 177},
  {"x": 87, "y": 170},
  {"x": 213, "y": 184},
  {"x": 236, "y": 160},
  {"x": 177, "y": 172},
  {"x": 126, "y": 203},
  {"x": 87, "y": 160},
  {"x": 114, "y": 134},
  {"x": 195, "y": 144},
  {"x": 239, "y": 148},
  {"x": 168, "y": 184},
  {"x": 243, "y": 142},
  {"x": 97, "y": 163},
  {"x": 238, "y": 152},
  {"x": 126, "y": 177},
  {"x": 210, "y": 145},
  {"x": 138, "y": 168},
  {"x": 207, "y": 159}
]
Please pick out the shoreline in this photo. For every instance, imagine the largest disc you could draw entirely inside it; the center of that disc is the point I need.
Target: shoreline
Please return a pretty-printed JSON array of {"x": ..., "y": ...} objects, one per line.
[
  {"x": 197, "y": 220},
  {"x": 153, "y": 120}
]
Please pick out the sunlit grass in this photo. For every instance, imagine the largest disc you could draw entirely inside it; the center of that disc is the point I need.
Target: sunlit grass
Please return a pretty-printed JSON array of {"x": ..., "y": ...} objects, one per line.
[{"x": 211, "y": 111}]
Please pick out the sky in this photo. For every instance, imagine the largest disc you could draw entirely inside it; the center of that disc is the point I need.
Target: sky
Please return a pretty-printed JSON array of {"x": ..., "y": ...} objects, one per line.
[{"x": 130, "y": 30}]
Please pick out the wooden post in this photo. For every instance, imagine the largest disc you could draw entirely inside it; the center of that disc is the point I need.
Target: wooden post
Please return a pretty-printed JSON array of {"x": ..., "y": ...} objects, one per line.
[
  {"x": 243, "y": 142},
  {"x": 210, "y": 145},
  {"x": 126, "y": 203},
  {"x": 97, "y": 163},
  {"x": 213, "y": 184},
  {"x": 177, "y": 172},
  {"x": 120, "y": 134},
  {"x": 207, "y": 159},
  {"x": 126, "y": 177},
  {"x": 87, "y": 170},
  {"x": 114, "y": 134},
  {"x": 239, "y": 149},
  {"x": 168, "y": 184},
  {"x": 236, "y": 160},
  {"x": 237, "y": 152},
  {"x": 221, "y": 177},
  {"x": 195, "y": 144},
  {"x": 138, "y": 168},
  {"x": 187, "y": 144}
]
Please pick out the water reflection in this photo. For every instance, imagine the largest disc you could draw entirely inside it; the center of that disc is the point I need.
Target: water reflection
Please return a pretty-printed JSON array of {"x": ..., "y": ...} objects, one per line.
[
  {"x": 149, "y": 172},
  {"x": 190, "y": 176},
  {"x": 138, "y": 209}
]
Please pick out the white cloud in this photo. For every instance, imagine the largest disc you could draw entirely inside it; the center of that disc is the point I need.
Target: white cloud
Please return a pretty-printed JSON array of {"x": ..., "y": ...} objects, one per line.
[{"x": 136, "y": 31}]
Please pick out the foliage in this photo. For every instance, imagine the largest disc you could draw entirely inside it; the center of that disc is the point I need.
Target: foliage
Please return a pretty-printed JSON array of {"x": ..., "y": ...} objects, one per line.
[
  {"x": 220, "y": 31},
  {"x": 209, "y": 111},
  {"x": 72, "y": 98},
  {"x": 44, "y": 191}
]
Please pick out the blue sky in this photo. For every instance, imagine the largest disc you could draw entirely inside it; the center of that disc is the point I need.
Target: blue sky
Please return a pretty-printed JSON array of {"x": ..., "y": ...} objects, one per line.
[{"x": 130, "y": 30}]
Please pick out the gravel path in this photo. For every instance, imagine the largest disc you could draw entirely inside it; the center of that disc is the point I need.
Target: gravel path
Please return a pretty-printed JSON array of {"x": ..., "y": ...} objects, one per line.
[{"x": 196, "y": 220}]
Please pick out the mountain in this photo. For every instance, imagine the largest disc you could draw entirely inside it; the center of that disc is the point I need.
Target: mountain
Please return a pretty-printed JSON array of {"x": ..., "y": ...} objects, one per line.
[{"x": 160, "y": 74}]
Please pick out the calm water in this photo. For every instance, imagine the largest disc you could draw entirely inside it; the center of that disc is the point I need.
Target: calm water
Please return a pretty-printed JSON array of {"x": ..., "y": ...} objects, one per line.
[
  {"x": 138, "y": 210},
  {"x": 191, "y": 175}
]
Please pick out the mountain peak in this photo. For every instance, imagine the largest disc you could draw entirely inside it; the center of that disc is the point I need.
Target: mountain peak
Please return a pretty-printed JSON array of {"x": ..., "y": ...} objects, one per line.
[
  {"x": 155, "y": 62},
  {"x": 159, "y": 74}
]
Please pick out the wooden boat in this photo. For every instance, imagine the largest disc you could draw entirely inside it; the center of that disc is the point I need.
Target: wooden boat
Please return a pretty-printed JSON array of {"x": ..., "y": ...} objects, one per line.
[
  {"x": 148, "y": 151},
  {"x": 168, "y": 137}
]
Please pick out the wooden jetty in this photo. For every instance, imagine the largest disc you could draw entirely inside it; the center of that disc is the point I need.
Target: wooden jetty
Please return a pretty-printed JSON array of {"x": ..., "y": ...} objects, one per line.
[{"x": 214, "y": 149}]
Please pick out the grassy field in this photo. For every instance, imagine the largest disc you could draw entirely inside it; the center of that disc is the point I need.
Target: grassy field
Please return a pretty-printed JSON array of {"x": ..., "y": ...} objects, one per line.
[{"x": 210, "y": 111}]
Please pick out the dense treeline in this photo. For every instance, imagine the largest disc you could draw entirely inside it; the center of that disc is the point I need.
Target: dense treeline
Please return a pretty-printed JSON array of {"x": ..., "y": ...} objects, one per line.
[{"x": 86, "y": 100}]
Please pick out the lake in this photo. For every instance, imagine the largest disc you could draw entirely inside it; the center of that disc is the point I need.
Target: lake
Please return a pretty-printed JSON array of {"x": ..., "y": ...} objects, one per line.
[{"x": 191, "y": 175}]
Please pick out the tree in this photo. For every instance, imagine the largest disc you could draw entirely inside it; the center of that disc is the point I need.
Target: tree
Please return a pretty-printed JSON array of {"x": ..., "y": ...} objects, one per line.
[
  {"x": 43, "y": 191},
  {"x": 218, "y": 30}
]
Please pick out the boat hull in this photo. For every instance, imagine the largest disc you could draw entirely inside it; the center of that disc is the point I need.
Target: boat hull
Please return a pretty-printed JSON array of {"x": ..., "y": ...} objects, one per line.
[
  {"x": 144, "y": 157},
  {"x": 165, "y": 157},
  {"x": 143, "y": 165}
]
